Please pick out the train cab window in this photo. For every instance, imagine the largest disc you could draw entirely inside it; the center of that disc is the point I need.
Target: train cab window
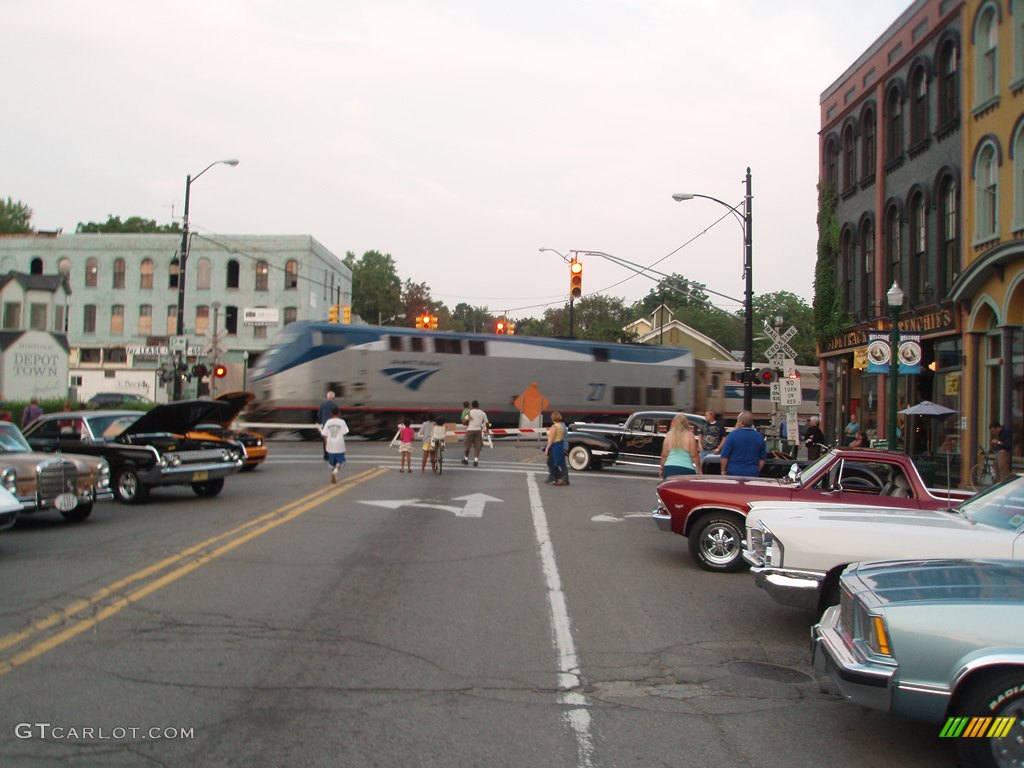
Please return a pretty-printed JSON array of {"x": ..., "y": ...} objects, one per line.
[
  {"x": 626, "y": 395},
  {"x": 600, "y": 355},
  {"x": 680, "y": 375},
  {"x": 395, "y": 343},
  {"x": 448, "y": 346},
  {"x": 658, "y": 396},
  {"x": 417, "y": 344},
  {"x": 477, "y": 347}
]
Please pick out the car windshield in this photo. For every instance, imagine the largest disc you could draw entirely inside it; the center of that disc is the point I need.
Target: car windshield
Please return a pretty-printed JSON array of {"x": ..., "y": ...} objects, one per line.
[
  {"x": 11, "y": 440},
  {"x": 1001, "y": 506},
  {"x": 111, "y": 425},
  {"x": 811, "y": 470}
]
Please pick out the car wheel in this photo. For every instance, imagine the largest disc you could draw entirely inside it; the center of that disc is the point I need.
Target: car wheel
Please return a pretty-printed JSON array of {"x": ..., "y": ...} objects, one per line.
[
  {"x": 716, "y": 542},
  {"x": 78, "y": 514},
  {"x": 1000, "y": 697},
  {"x": 580, "y": 458},
  {"x": 128, "y": 489},
  {"x": 209, "y": 488}
]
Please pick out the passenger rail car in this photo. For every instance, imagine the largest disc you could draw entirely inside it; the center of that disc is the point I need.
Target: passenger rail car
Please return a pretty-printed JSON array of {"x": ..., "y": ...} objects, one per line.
[
  {"x": 716, "y": 389},
  {"x": 379, "y": 374}
]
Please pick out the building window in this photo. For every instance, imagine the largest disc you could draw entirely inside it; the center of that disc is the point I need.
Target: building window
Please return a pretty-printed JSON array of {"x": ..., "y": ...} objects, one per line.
[
  {"x": 831, "y": 161},
  {"x": 262, "y": 276},
  {"x": 203, "y": 271},
  {"x": 867, "y": 154},
  {"x": 37, "y": 316},
  {"x": 849, "y": 158},
  {"x": 117, "y": 320},
  {"x": 92, "y": 269},
  {"x": 202, "y": 320},
  {"x": 844, "y": 273},
  {"x": 950, "y": 223},
  {"x": 1017, "y": 14},
  {"x": 231, "y": 320},
  {"x": 918, "y": 106},
  {"x": 291, "y": 274},
  {"x": 12, "y": 315},
  {"x": 291, "y": 314},
  {"x": 867, "y": 247},
  {"x": 986, "y": 51},
  {"x": 35, "y": 267},
  {"x": 893, "y": 126},
  {"x": 949, "y": 92},
  {"x": 259, "y": 331},
  {"x": 145, "y": 320},
  {"x": 89, "y": 319},
  {"x": 90, "y": 355},
  {"x": 1018, "y": 177},
  {"x": 172, "y": 319},
  {"x": 893, "y": 247},
  {"x": 918, "y": 226},
  {"x": 986, "y": 175},
  {"x": 119, "y": 273},
  {"x": 233, "y": 271},
  {"x": 146, "y": 275},
  {"x": 173, "y": 269}
]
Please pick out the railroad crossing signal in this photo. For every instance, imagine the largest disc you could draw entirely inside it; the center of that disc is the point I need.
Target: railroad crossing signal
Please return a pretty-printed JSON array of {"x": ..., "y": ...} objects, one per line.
[{"x": 779, "y": 350}]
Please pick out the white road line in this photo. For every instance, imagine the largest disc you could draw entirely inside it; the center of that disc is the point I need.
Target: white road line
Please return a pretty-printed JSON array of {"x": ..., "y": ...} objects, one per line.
[{"x": 577, "y": 713}]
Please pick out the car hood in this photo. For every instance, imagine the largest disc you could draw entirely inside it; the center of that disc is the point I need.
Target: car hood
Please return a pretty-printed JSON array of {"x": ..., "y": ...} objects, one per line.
[
  {"x": 944, "y": 580},
  {"x": 237, "y": 400},
  {"x": 849, "y": 514},
  {"x": 180, "y": 417}
]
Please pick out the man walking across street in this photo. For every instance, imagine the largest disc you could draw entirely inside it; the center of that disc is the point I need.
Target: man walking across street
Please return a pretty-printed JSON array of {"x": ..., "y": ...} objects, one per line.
[
  {"x": 324, "y": 413},
  {"x": 476, "y": 423},
  {"x": 744, "y": 451},
  {"x": 334, "y": 432}
]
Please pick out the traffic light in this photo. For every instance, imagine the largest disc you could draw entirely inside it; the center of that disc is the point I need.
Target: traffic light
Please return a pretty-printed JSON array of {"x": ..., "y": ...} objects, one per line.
[
  {"x": 200, "y": 371},
  {"x": 346, "y": 315},
  {"x": 220, "y": 370},
  {"x": 423, "y": 321},
  {"x": 433, "y": 322},
  {"x": 332, "y": 314},
  {"x": 499, "y": 327},
  {"x": 767, "y": 375},
  {"x": 575, "y": 278}
]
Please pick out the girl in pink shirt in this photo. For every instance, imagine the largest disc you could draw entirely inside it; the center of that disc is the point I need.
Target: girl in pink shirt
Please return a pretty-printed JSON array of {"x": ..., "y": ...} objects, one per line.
[{"x": 406, "y": 435}]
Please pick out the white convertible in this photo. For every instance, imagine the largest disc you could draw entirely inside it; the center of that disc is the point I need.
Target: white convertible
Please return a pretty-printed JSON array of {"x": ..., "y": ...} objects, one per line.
[{"x": 798, "y": 551}]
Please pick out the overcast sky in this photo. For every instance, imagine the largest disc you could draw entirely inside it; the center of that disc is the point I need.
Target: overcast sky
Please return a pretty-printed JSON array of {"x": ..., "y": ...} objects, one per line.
[{"x": 460, "y": 136}]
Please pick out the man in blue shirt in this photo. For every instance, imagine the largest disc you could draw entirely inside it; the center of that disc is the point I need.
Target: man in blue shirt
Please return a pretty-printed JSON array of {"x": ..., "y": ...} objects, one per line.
[{"x": 744, "y": 451}]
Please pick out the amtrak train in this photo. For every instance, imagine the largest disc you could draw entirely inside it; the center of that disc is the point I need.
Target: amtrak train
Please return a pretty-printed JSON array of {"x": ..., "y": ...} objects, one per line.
[{"x": 379, "y": 374}]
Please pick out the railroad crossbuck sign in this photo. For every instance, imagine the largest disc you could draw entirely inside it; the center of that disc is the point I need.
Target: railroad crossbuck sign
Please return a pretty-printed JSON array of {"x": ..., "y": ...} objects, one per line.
[{"x": 779, "y": 350}]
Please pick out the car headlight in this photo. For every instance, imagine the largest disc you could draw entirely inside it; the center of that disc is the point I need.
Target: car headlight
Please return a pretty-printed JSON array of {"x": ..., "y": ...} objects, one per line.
[
  {"x": 103, "y": 474},
  {"x": 9, "y": 479}
]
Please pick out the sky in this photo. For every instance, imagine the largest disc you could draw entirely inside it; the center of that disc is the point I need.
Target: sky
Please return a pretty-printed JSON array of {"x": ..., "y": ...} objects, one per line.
[{"x": 458, "y": 136}]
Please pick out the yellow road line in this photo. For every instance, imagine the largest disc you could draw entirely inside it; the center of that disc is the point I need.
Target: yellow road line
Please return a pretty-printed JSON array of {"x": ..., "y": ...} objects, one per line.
[{"x": 243, "y": 533}]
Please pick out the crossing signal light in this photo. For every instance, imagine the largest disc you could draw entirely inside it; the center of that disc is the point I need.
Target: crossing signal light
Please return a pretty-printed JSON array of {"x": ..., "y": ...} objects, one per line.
[
  {"x": 332, "y": 314},
  {"x": 220, "y": 370},
  {"x": 575, "y": 278},
  {"x": 200, "y": 371},
  {"x": 767, "y": 375}
]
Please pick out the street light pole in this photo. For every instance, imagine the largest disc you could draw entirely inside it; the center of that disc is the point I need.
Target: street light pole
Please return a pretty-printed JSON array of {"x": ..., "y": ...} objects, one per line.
[
  {"x": 746, "y": 221},
  {"x": 895, "y": 298},
  {"x": 182, "y": 261}
]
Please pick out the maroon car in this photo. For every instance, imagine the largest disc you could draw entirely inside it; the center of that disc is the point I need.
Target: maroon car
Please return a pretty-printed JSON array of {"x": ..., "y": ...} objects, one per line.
[{"x": 710, "y": 509}]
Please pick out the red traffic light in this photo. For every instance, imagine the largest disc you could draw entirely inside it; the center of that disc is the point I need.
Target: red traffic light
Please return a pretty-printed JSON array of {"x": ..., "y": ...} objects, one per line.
[
  {"x": 220, "y": 371},
  {"x": 767, "y": 375}
]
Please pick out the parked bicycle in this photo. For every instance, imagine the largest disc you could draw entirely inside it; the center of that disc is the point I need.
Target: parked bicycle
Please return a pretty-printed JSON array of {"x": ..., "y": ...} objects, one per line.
[
  {"x": 437, "y": 455},
  {"x": 983, "y": 474}
]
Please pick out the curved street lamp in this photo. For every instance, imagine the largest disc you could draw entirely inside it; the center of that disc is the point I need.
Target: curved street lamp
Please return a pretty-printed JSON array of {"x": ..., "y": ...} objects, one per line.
[
  {"x": 183, "y": 260},
  {"x": 745, "y": 221}
]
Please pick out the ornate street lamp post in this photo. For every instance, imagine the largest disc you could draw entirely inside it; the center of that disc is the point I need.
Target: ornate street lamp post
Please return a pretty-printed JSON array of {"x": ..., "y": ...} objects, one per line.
[{"x": 895, "y": 298}]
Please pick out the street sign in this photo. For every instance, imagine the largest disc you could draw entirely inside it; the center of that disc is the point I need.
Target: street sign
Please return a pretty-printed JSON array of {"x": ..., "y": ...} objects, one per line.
[
  {"x": 779, "y": 347},
  {"x": 179, "y": 344},
  {"x": 789, "y": 393}
]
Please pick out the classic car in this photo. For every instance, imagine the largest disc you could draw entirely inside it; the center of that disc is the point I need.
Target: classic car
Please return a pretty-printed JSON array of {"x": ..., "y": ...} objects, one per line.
[
  {"x": 69, "y": 483},
  {"x": 797, "y": 552},
  {"x": 934, "y": 640},
  {"x": 254, "y": 443},
  {"x": 710, "y": 509},
  {"x": 9, "y": 509},
  {"x": 117, "y": 399},
  {"x": 146, "y": 450},
  {"x": 636, "y": 442}
]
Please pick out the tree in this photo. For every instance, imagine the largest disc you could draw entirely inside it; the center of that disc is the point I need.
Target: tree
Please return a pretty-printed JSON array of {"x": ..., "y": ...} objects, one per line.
[
  {"x": 376, "y": 287},
  {"x": 795, "y": 312},
  {"x": 416, "y": 300},
  {"x": 15, "y": 218},
  {"x": 472, "y": 319},
  {"x": 533, "y": 326},
  {"x": 133, "y": 224}
]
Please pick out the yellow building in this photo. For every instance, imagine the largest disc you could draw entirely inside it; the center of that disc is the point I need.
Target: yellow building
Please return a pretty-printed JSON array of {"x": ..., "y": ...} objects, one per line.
[{"x": 989, "y": 291}]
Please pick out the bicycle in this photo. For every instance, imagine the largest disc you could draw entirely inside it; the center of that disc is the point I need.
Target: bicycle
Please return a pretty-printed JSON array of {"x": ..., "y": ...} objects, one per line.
[
  {"x": 983, "y": 474},
  {"x": 437, "y": 455}
]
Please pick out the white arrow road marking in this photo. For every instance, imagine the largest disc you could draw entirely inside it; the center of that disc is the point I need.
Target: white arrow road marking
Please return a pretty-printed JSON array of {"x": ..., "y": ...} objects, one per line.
[
  {"x": 613, "y": 518},
  {"x": 474, "y": 506}
]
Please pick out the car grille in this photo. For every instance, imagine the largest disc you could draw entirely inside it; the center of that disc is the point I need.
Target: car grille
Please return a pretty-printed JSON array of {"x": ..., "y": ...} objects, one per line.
[
  {"x": 54, "y": 478},
  {"x": 196, "y": 457},
  {"x": 847, "y": 611}
]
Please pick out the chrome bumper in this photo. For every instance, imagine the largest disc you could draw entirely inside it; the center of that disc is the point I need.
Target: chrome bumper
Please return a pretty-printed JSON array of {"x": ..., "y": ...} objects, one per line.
[
  {"x": 662, "y": 519},
  {"x": 860, "y": 680},
  {"x": 797, "y": 589},
  {"x": 185, "y": 473}
]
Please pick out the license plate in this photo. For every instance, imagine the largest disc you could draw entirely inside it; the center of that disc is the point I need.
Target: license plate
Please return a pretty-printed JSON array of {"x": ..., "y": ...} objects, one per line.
[
  {"x": 65, "y": 502},
  {"x": 200, "y": 476}
]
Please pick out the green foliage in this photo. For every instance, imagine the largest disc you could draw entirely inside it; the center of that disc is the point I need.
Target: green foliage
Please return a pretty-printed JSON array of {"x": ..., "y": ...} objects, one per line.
[
  {"x": 376, "y": 287},
  {"x": 470, "y": 319},
  {"x": 131, "y": 225},
  {"x": 795, "y": 312},
  {"x": 416, "y": 300},
  {"x": 829, "y": 319},
  {"x": 15, "y": 217},
  {"x": 534, "y": 326}
]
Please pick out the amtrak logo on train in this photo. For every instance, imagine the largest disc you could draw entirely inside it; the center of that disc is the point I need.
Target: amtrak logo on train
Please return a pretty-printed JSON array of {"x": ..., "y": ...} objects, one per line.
[{"x": 411, "y": 378}]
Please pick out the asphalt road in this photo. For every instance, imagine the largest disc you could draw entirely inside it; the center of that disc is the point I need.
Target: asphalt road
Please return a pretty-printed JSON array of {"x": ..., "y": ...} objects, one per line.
[{"x": 475, "y": 618}]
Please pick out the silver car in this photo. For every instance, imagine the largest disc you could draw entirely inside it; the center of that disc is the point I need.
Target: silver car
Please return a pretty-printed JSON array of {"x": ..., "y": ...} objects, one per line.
[{"x": 934, "y": 640}]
